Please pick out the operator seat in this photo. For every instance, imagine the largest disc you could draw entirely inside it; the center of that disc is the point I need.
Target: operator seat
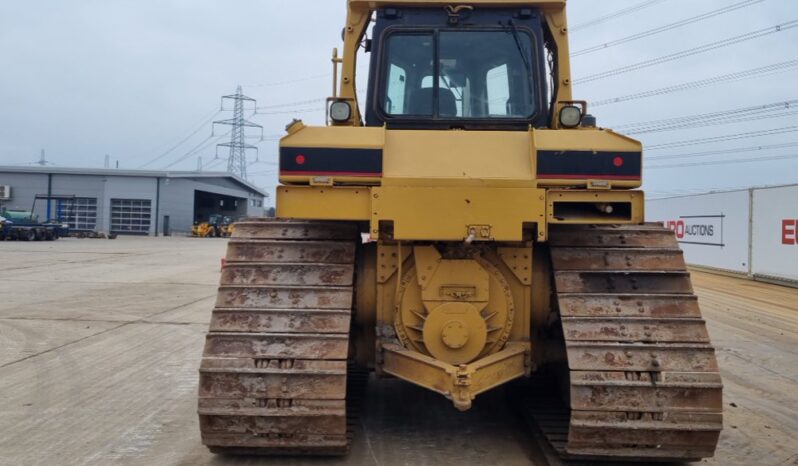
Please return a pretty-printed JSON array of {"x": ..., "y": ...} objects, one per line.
[{"x": 421, "y": 102}]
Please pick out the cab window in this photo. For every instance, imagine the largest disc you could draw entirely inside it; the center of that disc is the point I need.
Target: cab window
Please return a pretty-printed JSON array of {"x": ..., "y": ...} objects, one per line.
[{"x": 478, "y": 74}]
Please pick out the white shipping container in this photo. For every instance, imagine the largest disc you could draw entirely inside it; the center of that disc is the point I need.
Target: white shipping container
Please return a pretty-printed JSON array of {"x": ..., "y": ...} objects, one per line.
[
  {"x": 712, "y": 229},
  {"x": 775, "y": 233}
]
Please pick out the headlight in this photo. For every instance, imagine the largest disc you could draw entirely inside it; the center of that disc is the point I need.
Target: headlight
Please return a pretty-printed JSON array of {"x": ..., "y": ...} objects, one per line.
[
  {"x": 570, "y": 116},
  {"x": 340, "y": 111}
]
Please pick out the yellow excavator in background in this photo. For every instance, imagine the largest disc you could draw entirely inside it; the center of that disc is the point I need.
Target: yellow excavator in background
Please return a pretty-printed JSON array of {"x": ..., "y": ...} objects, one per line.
[{"x": 466, "y": 225}]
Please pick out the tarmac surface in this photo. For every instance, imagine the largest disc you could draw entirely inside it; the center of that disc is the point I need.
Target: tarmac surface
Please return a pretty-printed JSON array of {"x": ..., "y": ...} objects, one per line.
[{"x": 100, "y": 342}]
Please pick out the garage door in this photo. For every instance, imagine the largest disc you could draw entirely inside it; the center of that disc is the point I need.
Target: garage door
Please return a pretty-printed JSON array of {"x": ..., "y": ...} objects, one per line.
[
  {"x": 79, "y": 213},
  {"x": 131, "y": 215}
]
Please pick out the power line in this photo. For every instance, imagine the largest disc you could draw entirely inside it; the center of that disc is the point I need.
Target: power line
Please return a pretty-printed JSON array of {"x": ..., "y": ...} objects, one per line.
[
  {"x": 199, "y": 148},
  {"x": 674, "y": 192},
  {"x": 724, "y": 162},
  {"x": 718, "y": 122},
  {"x": 738, "y": 76},
  {"x": 292, "y": 81},
  {"x": 291, "y": 104},
  {"x": 724, "y": 151},
  {"x": 755, "y": 116},
  {"x": 730, "y": 137},
  {"x": 706, "y": 116},
  {"x": 204, "y": 122},
  {"x": 690, "y": 52},
  {"x": 668, "y": 27},
  {"x": 614, "y": 15},
  {"x": 739, "y": 115},
  {"x": 289, "y": 112},
  {"x": 204, "y": 144},
  {"x": 214, "y": 163},
  {"x": 264, "y": 162},
  {"x": 264, "y": 173}
]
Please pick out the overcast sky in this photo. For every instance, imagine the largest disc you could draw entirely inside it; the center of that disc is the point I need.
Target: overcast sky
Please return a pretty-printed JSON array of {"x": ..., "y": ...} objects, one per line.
[{"x": 133, "y": 78}]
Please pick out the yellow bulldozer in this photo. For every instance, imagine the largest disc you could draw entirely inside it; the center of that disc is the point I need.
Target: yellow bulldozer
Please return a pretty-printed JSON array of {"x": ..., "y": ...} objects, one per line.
[{"x": 465, "y": 226}]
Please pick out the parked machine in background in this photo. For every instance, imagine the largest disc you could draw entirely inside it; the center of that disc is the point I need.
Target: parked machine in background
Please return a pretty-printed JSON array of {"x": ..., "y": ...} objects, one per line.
[
  {"x": 466, "y": 226},
  {"x": 25, "y": 225},
  {"x": 228, "y": 226},
  {"x": 4, "y": 227},
  {"x": 217, "y": 226},
  {"x": 203, "y": 229}
]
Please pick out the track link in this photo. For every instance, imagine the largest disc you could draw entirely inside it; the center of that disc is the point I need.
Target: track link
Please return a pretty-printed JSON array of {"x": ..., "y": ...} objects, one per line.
[
  {"x": 643, "y": 380},
  {"x": 273, "y": 378}
]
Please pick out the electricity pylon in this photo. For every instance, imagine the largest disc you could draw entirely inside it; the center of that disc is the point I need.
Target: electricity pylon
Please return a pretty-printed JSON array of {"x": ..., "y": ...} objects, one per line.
[{"x": 237, "y": 162}]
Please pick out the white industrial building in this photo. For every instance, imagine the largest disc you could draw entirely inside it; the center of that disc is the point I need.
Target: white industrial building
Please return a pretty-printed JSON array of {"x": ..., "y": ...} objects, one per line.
[{"x": 128, "y": 201}]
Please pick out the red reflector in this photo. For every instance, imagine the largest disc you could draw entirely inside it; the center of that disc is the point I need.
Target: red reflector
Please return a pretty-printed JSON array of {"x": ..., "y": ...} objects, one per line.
[
  {"x": 300, "y": 159},
  {"x": 618, "y": 162}
]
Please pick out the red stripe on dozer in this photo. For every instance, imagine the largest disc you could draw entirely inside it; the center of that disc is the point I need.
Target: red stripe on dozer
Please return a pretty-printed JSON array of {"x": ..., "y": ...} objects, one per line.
[
  {"x": 301, "y": 173},
  {"x": 588, "y": 177}
]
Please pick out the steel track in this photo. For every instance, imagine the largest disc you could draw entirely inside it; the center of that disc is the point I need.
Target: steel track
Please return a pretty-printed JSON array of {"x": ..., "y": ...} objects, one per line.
[
  {"x": 273, "y": 379},
  {"x": 642, "y": 378}
]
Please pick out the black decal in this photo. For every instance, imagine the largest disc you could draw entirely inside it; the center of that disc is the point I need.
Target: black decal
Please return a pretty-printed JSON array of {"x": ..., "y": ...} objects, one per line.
[
  {"x": 329, "y": 161},
  {"x": 589, "y": 165}
]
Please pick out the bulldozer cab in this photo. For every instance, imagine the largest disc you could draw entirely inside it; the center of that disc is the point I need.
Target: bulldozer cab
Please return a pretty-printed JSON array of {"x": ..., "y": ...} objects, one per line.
[{"x": 457, "y": 67}]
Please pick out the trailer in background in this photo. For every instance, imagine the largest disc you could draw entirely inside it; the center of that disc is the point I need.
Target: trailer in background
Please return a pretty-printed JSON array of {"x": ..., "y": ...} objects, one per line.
[
  {"x": 774, "y": 233},
  {"x": 751, "y": 232},
  {"x": 4, "y": 228},
  {"x": 19, "y": 225}
]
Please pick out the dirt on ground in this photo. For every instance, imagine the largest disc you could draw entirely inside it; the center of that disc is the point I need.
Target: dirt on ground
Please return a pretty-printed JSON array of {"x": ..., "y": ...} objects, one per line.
[{"x": 100, "y": 344}]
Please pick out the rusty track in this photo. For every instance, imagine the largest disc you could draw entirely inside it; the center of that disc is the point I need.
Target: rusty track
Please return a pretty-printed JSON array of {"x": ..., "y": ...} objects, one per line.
[
  {"x": 643, "y": 379},
  {"x": 273, "y": 378}
]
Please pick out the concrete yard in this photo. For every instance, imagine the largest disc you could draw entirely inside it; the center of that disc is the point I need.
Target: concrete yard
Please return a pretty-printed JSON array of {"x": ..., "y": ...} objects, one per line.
[{"x": 100, "y": 342}]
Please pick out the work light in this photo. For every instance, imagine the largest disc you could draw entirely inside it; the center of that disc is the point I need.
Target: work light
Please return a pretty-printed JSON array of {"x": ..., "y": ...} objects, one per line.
[
  {"x": 340, "y": 111},
  {"x": 570, "y": 116}
]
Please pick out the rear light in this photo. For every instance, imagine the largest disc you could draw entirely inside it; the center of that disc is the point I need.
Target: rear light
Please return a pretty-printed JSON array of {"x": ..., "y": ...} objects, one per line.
[
  {"x": 340, "y": 111},
  {"x": 570, "y": 116}
]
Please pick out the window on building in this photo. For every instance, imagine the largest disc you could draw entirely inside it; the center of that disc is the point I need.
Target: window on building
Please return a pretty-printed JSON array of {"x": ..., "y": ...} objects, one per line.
[
  {"x": 131, "y": 215},
  {"x": 79, "y": 213}
]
